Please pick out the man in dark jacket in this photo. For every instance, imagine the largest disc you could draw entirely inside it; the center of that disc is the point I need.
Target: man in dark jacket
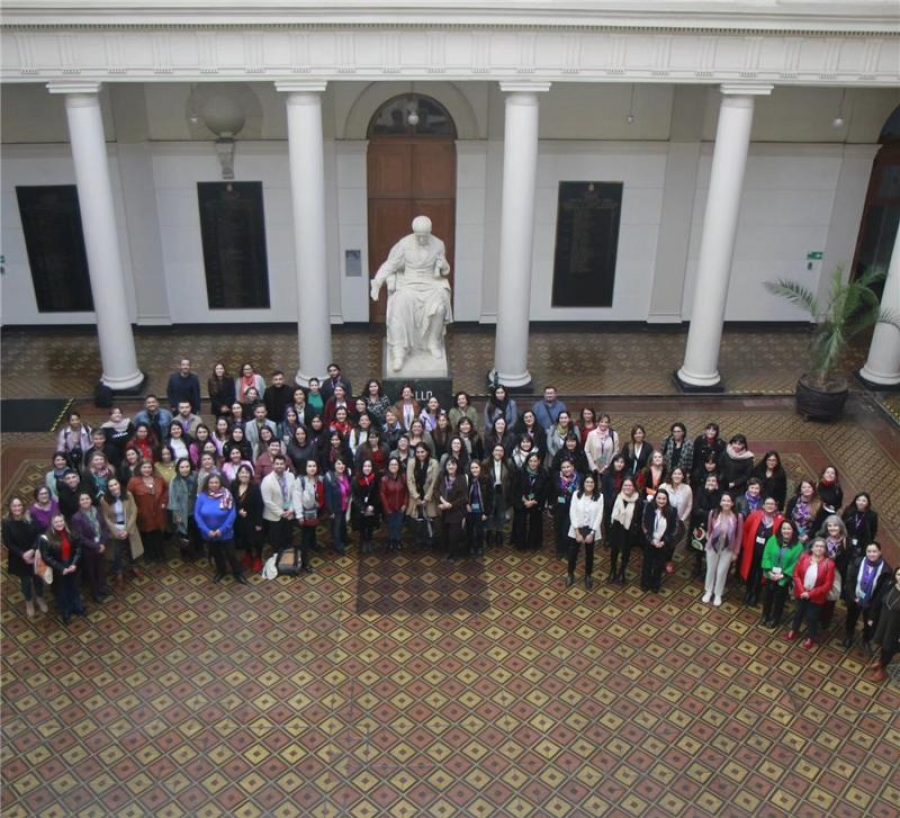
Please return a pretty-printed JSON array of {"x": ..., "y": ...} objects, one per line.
[{"x": 184, "y": 386}]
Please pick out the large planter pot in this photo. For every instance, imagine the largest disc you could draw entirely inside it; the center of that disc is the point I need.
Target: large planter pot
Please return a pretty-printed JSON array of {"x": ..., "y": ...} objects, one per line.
[{"x": 817, "y": 403}]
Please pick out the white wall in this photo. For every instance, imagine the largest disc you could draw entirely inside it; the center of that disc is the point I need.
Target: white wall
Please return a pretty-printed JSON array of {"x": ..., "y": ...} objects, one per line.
[
  {"x": 786, "y": 210},
  {"x": 44, "y": 165},
  {"x": 641, "y": 167}
]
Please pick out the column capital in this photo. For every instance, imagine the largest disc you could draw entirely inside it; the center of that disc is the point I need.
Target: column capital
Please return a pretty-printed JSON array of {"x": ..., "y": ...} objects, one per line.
[
  {"x": 524, "y": 87},
  {"x": 73, "y": 87},
  {"x": 300, "y": 86},
  {"x": 749, "y": 89}
]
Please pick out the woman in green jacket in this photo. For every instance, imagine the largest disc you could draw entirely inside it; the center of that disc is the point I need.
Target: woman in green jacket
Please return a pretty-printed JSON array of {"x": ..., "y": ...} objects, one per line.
[{"x": 779, "y": 559}]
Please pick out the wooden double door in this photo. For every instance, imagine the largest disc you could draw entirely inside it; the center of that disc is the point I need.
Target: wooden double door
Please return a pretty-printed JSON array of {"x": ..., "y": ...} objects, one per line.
[{"x": 408, "y": 177}]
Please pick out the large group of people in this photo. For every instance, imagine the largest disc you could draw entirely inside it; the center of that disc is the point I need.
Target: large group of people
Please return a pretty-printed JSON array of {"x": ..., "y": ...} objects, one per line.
[{"x": 273, "y": 468}]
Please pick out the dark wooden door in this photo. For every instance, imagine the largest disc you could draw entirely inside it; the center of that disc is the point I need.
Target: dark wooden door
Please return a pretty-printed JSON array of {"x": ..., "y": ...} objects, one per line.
[
  {"x": 409, "y": 177},
  {"x": 881, "y": 216}
]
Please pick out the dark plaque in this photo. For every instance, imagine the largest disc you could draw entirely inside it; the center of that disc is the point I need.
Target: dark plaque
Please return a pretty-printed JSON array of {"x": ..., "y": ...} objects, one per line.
[
  {"x": 51, "y": 222},
  {"x": 587, "y": 236},
  {"x": 233, "y": 228}
]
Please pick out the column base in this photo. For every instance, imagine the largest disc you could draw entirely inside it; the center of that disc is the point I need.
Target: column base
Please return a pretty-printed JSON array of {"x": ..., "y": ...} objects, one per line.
[
  {"x": 302, "y": 379},
  {"x": 877, "y": 382},
  {"x": 129, "y": 386},
  {"x": 512, "y": 383},
  {"x": 714, "y": 387}
]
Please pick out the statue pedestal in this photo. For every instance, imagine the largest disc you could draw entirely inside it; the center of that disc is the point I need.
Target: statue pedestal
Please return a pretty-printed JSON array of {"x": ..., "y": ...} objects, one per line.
[
  {"x": 426, "y": 375},
  {"x": 418, "y": 365}
]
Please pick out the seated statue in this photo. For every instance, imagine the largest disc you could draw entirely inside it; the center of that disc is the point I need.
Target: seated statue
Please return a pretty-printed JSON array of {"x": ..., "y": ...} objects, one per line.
[{"x": 418, "y": 307}]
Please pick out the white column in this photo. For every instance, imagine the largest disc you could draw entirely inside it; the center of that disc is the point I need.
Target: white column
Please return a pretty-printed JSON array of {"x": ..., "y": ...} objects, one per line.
[
  {"x": 101, "y": 242},
  {"x": 883, "y": 364},
  {"x": 701, "y": 358},
  {"x": 307, "y": 166},
  {"x": 520, "y": 149}
]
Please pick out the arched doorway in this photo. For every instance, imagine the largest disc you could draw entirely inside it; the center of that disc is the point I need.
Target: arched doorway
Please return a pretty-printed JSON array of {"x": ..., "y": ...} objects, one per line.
[
  {"x": 411, "y": 171},
  {"x": 881, "y": 216}
]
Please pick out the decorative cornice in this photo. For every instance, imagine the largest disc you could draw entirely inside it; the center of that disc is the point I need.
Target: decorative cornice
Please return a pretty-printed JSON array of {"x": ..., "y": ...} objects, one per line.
[{"x": 535, "y": 55}]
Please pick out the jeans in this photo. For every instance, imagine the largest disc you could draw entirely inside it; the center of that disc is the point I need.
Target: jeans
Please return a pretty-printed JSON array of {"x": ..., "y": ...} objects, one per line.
[
  {"x": 31, "y": 587},
  {"x": 339, "y": 532},
  {"x": 395, "y": 526},
  {"x": 811, "y": 613}
]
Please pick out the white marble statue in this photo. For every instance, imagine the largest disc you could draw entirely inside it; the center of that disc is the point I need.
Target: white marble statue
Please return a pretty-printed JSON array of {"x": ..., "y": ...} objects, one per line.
[{"x": 418, "y": 307}]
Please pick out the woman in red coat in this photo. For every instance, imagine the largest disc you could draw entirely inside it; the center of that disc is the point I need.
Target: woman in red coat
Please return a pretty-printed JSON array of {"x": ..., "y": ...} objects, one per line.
[
  {"x": 758, "y": 527},
  {"x": 813, "y": 580},
  {"x": 152, "y": 498},
  {"x": 394, "y": 494}
]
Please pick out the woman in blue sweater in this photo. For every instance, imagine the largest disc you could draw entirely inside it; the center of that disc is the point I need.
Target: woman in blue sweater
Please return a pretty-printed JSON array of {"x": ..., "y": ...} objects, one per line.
[{"x": 215, "y": 514}]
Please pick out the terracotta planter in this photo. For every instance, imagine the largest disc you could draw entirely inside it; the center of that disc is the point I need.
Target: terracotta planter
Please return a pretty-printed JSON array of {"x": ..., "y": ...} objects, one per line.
[{"x": 816, "y": 403}]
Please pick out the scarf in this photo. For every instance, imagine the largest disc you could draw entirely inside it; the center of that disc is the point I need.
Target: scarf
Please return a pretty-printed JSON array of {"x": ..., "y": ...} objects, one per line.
[
  {"x": 623, "y": 513},
  {"x": 247, "y": 382},
  {"x": 802, "y": 515},
  {"x": 754, "y": 503},
  {"x": 833, "y": 546},
  {"x": 722, "y": 532},
  {"x": 475, "y": 496},
  {"x": 865, "y": 584},
  {"x": 94, "y": 522},
  {"x": 223, "y": 495}
]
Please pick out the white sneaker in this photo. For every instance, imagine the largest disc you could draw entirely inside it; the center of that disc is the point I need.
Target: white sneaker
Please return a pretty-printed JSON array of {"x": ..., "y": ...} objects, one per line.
[
  {"x": 717, "y": 601},
  {"x": 706, "y": 598}
]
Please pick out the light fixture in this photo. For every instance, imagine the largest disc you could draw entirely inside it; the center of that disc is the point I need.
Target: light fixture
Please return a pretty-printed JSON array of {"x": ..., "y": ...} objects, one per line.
[
  {"x": 218, "y": 107},
  {"x": 838, "y": 122},
  {"x": 630, "y": 118},
  {"x": 412, "y": 117}
]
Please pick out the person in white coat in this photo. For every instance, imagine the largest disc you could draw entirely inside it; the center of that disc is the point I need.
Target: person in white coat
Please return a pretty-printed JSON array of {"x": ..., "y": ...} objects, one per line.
[
  {"x": 585, "y": 524},
  {"x": 277, "y": 490}
]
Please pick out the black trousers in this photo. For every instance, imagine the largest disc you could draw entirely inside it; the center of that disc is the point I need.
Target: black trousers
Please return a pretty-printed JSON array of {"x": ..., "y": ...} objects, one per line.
[
  {"x": 278, "y": 533},
  {"x": 654, "y": 562},
  {"x": 574, "y": 548},
  {"x": 452, "y": 537},
  {"x": 528, "y": 528},
  {"x": 225, "y": 557},
  {"x": 620, "y": 544},
  {"x": 561, "y": 526},
  {"x": 94, "y": 572},
  {"x": 853, "y": 614},
  {"x": 154, "y": 546},
  {"x": 474, "y": 532},
  {"x": 307, "y": 544},
  {"x": 774, "y": 599}
]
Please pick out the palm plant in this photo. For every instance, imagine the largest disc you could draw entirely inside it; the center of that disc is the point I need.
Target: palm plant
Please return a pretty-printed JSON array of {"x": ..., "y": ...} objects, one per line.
[{"x": 850, "y": 308}]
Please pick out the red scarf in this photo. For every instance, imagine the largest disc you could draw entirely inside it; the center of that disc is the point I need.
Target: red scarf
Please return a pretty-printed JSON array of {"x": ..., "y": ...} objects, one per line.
[{"x": 65, "y": 548}]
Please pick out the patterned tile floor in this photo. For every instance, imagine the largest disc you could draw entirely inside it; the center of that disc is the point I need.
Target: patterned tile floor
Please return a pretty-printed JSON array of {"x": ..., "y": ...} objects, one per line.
[
  {"x": 611, "y": 362},
  {"x": 405, "y": 685}
]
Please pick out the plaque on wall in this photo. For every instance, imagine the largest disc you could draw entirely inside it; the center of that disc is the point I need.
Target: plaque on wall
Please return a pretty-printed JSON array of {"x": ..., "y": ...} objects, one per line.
[
  {"x": 233, "y": 230},
  {"x": 51, "y": 223},
  {"x": 587, "y": 238}
]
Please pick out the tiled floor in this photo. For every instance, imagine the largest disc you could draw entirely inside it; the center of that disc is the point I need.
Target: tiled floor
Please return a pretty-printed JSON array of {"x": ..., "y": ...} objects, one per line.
[
  {"x": 408, "y": 686},
  {"x": 595, "y": 362}
]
